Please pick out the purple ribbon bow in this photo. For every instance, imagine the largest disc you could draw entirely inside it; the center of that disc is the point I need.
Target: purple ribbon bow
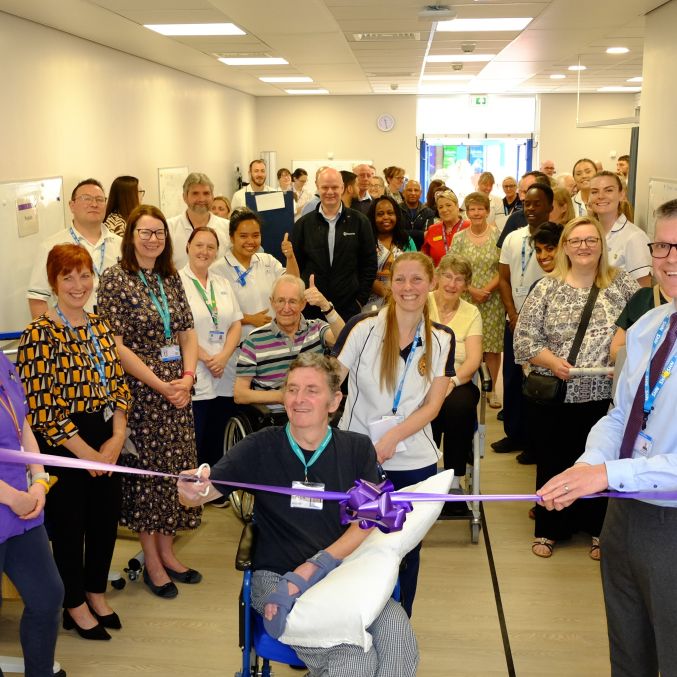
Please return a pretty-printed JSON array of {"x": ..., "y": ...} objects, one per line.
[{"x": 372, "y": 505}]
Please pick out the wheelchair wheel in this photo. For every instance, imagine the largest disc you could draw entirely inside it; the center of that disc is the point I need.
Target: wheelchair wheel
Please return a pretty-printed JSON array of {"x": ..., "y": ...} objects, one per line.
[{"x": 237, "y": 428}]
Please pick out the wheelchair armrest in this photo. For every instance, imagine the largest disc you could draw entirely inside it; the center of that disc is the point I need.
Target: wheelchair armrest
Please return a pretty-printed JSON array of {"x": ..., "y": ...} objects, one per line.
[
  {"x": 263, "y": 409},
  {"x": 485, "y": 378},
  {"x": 245, "y": 548}
]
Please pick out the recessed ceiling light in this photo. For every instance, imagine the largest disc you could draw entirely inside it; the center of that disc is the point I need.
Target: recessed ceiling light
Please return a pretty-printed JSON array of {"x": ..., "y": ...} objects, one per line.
[
  {"x": 474, "y": 25},
  {"x": 617, "y": 50},
  {"x": 307, "y": 91},
  {"x": 458, "y": 58},
  {"x": 196, "y": 29},
  {"x": 253, "y": 61},
  {"x": 446, "y": 78},
  {"x": 289, "y": 78},
  {"x": 619, "y": 89},
  {"x": 639, "y": 78},
  {"x": 557, "y": 76},
  {"x": 577, "y": 68}
]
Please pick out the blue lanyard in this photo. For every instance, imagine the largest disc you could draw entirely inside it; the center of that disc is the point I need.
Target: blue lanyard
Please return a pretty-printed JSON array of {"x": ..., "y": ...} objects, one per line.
[
  {"x": 163, "y": 309},
  {"x": 97, "y": 358},
  {"x": 650, "y": 397},
  {"x": 242, "y": 274},
  {"x": 410, "y": 358},
  {"x": 525, "y": 262},
  {"x": 300, "y": 455},
  {"x": 78, "y": 242}
]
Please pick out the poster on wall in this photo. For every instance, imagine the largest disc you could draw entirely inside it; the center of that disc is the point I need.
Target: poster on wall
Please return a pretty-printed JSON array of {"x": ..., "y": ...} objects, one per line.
[
  {"x": 27, "y": 221},
  {"x": 660, "y": 191},
  {"x": 170, "y": 189}
]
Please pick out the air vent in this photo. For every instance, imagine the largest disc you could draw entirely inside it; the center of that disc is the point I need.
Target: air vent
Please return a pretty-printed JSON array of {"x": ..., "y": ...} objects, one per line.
[
  {"x": 385, "y": 37},
  {"x": 391, "y": 75}
]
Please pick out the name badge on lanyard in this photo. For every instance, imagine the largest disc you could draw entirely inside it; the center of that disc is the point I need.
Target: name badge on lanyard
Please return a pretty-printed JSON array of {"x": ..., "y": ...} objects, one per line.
[
  {"x": 306, "y": 502},
  {"x": 170, "y": 353}
]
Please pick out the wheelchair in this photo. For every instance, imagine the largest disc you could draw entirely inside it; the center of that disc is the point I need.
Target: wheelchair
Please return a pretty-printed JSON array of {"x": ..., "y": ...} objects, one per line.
[
  {"x": 472, "y": 476},
  {"x": 258, "y": 647}
]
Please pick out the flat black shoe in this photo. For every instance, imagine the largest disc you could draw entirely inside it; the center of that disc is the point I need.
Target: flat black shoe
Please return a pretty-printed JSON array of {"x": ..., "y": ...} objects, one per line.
[
  {"x": 191, "y": 576},
  {"x": 97, "y": 632},
  {"x": 110, "y": 621},
  {"x": 525, "y": 459},
  {"x": 506, "y": 445},
  {"x": 166, "y": 591},
  {"x": 499, "y": 416}
]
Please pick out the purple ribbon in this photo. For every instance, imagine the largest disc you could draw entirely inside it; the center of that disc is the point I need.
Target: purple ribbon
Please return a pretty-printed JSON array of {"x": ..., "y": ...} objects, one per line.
[{"x": 366, "y": 503}]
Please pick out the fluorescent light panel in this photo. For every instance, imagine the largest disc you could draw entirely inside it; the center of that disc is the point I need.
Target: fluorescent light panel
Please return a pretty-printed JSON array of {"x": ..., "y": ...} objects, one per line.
[
  {"x": 577, "y": 68},
  {"x": 253, "y": 61},
  {"x": 479, "y": 25},
  {"x": 557, "y": 76},
  {"x": 458, "y": 58},
  {"x": 617, "y": 50},
  {"x": 638, "y": 78},
  {"x": 288, "y": 78},
  {"x": 196, "y": 29},
  {"x": 307, "y": 91}
]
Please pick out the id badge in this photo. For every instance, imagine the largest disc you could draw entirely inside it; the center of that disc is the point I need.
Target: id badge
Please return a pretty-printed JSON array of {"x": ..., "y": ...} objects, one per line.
[
  {"x": 522, "y": 292},
  {"x": 216, "y": 336},
  {"x": 107, "y": 413},
  {"x": 302, "y": 501},
  {"x": 643, "y": 444},
  {"x": 170, "y": 353}
]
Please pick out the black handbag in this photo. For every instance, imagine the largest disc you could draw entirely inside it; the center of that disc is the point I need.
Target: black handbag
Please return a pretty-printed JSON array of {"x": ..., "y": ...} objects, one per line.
[{"x": 546, "y": 389}]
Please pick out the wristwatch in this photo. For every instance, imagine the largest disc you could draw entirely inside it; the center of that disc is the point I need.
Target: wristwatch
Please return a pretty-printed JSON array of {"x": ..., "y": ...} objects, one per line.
[{"x": 329, "y": 310}]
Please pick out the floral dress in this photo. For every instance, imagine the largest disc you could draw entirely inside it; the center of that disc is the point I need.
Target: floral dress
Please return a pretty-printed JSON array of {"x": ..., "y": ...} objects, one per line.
[
  {"x": 484, "y": 261},
  {"x": 161, "y": 436}
]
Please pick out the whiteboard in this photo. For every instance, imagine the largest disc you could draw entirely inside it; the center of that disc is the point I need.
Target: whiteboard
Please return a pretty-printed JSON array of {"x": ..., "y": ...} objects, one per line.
[
  {"x": 30, "y": 211},
  {"x": 660, "y": 191},
  {"x": 170, "y": 190},
  {"x": 311, "y": 166}
]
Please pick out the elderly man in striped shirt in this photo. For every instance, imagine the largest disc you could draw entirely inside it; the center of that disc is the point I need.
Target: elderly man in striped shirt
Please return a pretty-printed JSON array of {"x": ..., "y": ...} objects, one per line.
[{"x": 265, "y": 355}]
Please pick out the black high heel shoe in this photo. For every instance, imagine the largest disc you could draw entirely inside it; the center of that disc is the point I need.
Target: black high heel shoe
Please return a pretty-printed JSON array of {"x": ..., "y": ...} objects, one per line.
[
  {"x": 110, "y": 621},
  {"x": 97, "y": 632}
]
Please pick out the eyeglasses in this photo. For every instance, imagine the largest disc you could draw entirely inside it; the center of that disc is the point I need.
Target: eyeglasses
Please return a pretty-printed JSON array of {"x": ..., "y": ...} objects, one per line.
[
  {"x": 509, "y": 185},
  {"x": 576, "y": 242},
  {"x": 661, "y": 250},
  {"x": 292, "y": 303},
  {"x": 141, "y": 192},
  {"x": 89, "y": 199},
  {"x": 145, "y": 234}
]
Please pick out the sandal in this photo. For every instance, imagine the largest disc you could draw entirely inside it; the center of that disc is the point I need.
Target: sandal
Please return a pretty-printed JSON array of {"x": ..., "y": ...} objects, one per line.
[
  {"x": 494, "y": 402},
  {"x": 595, "y": 552},
  {"x": 547, "y": 543}
]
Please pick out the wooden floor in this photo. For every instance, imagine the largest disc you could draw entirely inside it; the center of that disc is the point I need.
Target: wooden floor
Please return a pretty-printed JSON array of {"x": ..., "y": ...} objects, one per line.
[{"x": 553, "y": 608}]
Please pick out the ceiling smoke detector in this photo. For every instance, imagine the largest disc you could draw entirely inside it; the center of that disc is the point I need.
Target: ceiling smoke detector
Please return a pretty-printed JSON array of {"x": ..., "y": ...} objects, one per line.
[
  {"x": 457, "y": 66},
  {"x": 468, "y": 47},
  {"x": 436, "y": 13}
]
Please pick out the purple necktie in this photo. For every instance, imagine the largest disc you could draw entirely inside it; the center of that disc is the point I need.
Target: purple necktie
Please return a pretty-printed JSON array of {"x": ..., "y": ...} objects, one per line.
[{"x": 636, "y": 418}]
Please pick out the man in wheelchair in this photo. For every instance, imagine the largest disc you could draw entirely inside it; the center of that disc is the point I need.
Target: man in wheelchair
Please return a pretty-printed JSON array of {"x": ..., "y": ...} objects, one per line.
[
  {"x": 265, "y": 355},
  {"x": 301, "y": 540}
]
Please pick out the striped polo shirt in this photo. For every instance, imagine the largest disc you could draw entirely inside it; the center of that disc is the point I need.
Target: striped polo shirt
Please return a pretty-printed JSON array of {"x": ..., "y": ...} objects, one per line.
[{"x": 265, "y": 355}]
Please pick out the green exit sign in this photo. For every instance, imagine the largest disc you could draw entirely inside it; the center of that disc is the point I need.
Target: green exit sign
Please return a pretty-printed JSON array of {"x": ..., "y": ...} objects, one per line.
[{"x": 479, "y": 100}]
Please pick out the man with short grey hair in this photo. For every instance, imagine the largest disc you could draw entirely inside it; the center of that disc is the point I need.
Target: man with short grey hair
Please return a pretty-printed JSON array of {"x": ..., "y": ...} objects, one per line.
[
  {"x": 364, "y": 173},
  {"x": 198, "y": 194},
  {"x": 548, "y": 167}
]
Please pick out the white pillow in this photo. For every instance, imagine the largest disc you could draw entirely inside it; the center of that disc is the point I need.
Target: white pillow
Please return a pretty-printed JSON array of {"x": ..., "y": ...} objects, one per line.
[{"x": 340, "y": 608}]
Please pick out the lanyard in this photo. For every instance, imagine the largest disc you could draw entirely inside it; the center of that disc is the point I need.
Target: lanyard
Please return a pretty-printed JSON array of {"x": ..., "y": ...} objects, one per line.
[
  {"x": 410, "y": 358},
  {"x": 211, "y": 305},
  {"x": 242, "y": 274},
  {"x": 78, "y": 242},
  {"x": 163, "y": 309},
  {"x": 650, "y": 397},
  {"x": 454, "y": 230},
  {"x": 6, "y": 403},
  {"x": 97, "y": 358},
  {"x": 525, "y": 261},
  {"x": 299, "y": 454}
]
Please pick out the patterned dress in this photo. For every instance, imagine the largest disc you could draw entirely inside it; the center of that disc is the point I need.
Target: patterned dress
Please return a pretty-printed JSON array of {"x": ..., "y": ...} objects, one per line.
[
  {"x": 484, "y": 261},
  {"x": 161, "y": 436}
]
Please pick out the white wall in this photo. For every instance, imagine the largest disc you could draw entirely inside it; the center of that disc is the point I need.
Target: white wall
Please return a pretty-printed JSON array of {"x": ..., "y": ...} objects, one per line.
[
  {"x": 656, "y": 156},
  {"x": 560, "y": 140},
  {"x": 77, "y": 109},
  {"x": 313, "y": 127}
]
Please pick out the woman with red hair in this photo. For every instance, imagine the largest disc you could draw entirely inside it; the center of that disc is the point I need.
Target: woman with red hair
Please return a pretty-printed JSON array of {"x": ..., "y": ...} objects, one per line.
[{"x": 77, "y": 407}]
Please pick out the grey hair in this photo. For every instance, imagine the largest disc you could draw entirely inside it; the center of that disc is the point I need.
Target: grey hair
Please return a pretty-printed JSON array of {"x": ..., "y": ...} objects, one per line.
[
  {"x": 668, "y": 210},
  {"x": 455, "y": 264},
  {"x": 329, "y": 366},
  {"x": 197, "y": 179},
  {"x": 288, "y": 277}
]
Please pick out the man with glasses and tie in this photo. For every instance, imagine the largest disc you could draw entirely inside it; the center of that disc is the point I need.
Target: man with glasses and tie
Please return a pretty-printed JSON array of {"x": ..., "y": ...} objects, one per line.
[
  {"x": 634, "y": 449},
  {"x": 265, "y": 355},
  {"x": 88, "y": 207}
]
